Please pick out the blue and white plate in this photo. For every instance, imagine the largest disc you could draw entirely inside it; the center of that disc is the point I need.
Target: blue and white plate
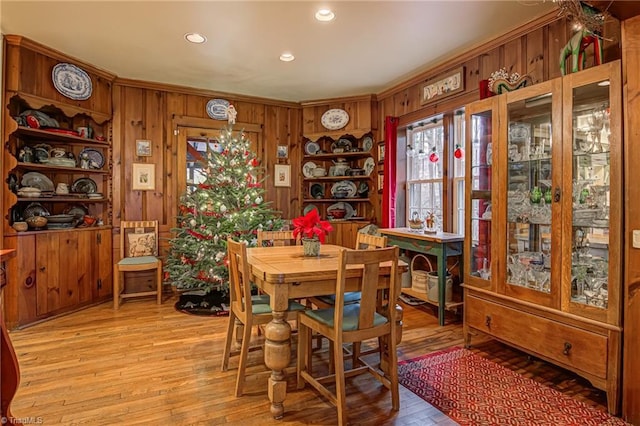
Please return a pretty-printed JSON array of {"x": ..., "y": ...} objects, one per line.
[
  {"x": 71, "y": 81},
  {"x": 307, "y": 169},
  {"x": 311, "y": 148},
  {"x": 217, "y": 109},
  {"x": 346, "y": 186},
  {"x": 367, "y": 143},
  {"x": 369, "y": 165}
]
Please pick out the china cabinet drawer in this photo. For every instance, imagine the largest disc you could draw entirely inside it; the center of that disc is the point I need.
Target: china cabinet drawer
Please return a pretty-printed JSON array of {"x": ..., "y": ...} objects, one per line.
[{"x": 571, "y": 346}]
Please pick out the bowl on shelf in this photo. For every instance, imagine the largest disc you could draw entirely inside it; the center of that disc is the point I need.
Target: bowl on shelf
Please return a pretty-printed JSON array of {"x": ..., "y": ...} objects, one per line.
[
  {"x": 89, "y": 220},
  {"x": 20, "y": 226},
  {"x": 340, "y": 193},
  {"x": 319, "y": 172},
  {"x": 36, "y": 222}
]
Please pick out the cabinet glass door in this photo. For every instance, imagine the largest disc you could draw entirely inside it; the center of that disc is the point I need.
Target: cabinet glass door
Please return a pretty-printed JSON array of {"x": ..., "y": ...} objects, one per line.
[
  {"x": 481, "y": 128},
  {"x": 595, "y": 173},
  {"x": 529, "y": 143}
]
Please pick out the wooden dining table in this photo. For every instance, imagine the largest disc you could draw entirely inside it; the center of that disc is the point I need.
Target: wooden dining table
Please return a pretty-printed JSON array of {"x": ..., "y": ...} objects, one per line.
[{"x": 284, "y": 273}]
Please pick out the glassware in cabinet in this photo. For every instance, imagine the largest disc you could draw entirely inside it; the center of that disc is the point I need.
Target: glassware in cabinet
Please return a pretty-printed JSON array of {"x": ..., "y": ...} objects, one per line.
[
  {"x": 593, "y": 192},
  {"x": 481, "y": 128}
]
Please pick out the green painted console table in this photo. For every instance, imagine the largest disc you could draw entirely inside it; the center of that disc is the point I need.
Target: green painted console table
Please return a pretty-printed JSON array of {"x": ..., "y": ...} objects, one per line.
[{"x": 441, "y": 245}]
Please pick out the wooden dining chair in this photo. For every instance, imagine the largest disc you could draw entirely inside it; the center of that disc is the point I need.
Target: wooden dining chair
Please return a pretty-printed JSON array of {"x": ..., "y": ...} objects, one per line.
[
  {"x": 277, "y": 239},
  {"x": 138, "y": 252},
  {"x": 352, "y": 323},
  {"x": 245, "y": 310},
  {"x": 363, "y": 242}
]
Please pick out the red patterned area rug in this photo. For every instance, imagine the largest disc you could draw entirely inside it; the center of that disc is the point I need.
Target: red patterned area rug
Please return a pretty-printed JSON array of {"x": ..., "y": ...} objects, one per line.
[{"x": 475, "y": 391}]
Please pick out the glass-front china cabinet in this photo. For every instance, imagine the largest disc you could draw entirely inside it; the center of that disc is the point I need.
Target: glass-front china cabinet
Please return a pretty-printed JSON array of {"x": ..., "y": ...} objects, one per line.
[{"x": 543, "y": 234}]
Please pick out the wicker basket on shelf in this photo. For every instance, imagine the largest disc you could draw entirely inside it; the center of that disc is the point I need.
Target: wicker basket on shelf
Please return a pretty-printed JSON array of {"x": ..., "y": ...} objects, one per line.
[{"x": 420, "y": 278}]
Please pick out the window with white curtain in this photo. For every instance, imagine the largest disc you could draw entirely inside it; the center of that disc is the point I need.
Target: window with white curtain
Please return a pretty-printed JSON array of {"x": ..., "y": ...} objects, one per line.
[
  {"x": 425, "y": 177},
  {"x": 425, "y": 170},
  {"x": 458, "y": 172}
]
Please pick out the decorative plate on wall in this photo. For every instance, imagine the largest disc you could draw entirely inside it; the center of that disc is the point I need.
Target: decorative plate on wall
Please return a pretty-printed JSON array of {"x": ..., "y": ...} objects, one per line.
[
  {"x": 71, "y": 81},
  {"x": 335, "y": 119},
  {"x": 217, "y": 109}
]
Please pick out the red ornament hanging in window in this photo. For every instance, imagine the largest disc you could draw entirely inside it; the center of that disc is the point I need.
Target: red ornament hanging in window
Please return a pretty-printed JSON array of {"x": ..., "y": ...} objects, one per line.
[
  {"x": 434, "y": 157},
  {"x": 459, "y": 152}
]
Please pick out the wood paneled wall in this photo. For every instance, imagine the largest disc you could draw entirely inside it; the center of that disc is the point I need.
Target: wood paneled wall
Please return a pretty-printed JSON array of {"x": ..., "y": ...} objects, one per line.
[
  {"x": 532, "y": 49},
  {"x": 631, "y": 307},
  {"x": 153, "y": 112}
]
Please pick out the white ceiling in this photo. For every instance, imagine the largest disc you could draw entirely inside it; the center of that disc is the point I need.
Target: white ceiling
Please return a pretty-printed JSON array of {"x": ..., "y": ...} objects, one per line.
[{"x": 369, "y": 47}]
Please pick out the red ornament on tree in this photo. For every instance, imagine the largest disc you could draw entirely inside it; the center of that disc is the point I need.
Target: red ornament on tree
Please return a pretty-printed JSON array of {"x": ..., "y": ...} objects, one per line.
[
  {"x": 459, "y": 152},
  {"x": 434, "y": 157}
]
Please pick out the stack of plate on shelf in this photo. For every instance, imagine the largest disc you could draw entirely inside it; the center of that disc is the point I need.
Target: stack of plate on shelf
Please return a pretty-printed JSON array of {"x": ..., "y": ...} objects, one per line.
[
  {"x": 94, "y": 195},
  {"x": 60, "y": 221}
]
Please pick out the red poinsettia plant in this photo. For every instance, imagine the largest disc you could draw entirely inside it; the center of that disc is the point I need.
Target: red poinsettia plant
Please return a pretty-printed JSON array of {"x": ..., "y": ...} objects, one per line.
[{"x": 310, "y": 226}]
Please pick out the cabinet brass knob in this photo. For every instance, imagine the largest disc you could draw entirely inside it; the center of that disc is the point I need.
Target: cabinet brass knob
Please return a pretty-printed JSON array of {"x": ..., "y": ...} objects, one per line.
[
  {"x": 567, "y": 348},
  {"x": 556, "y": 195},
  {"x": 487, "y": 321}
]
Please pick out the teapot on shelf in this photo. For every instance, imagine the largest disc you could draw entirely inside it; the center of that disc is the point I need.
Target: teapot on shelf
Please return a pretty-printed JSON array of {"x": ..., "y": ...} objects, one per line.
[{"x": 340, "y": 167}]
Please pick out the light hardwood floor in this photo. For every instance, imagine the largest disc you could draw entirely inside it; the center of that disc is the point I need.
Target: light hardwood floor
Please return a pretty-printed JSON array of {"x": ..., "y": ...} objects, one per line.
[{"x": 151, "y": 365}]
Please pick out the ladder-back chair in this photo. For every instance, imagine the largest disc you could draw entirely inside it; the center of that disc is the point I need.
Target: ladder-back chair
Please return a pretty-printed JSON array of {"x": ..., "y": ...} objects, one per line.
[{"x": 138, "y": 252}]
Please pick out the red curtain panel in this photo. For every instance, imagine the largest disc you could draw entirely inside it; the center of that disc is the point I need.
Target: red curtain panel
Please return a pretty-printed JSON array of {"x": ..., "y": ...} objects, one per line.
[{"x": 389, "y": 181}]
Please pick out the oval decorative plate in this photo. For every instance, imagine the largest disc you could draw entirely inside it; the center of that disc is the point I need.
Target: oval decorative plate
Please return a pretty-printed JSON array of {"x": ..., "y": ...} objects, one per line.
[
  {"x": 334, "y": 119},
  {"x": 95, "y": 157},
  {"x": 217, "y": 109},
  {"x": 342, "y": 205},
  {"x": 71, "y": 81},
  {"x": 84, "y": 185},
  {"x": 345, "y": 185},
  {"x": 37, "y": 180}
]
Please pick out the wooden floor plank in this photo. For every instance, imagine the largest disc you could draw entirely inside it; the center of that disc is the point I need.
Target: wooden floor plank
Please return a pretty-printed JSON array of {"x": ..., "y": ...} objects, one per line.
[{"x": 149, "y": 364}]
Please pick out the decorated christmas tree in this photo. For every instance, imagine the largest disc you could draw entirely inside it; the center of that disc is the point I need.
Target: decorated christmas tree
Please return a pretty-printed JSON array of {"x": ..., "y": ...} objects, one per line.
[{"x": 226, "y": 201}]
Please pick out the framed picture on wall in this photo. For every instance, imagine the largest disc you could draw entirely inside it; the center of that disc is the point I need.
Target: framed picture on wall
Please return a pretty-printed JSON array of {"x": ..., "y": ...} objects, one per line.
[
  {"x": 143, "y": 148},
  {"x": 380, "y": 182},
  {"x": 283, "y": 151},
  {"x": 381, "y": 152},
  {"x": 282, "y": 175},
  {"x": 143, "y": 177}
]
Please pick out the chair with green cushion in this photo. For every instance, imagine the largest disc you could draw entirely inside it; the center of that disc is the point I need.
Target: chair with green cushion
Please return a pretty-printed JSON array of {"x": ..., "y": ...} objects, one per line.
[
  {"x": 353, "y": 323},
  {"x": 245, "y": 310},
  {"x": 363, "y": 242},
  {"x": 138, "y": 252}
]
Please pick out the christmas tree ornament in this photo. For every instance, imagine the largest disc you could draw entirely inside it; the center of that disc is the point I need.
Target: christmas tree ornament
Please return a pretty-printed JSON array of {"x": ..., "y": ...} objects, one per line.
[
  {"x": 458, "y": 153},
  {"x": 434, "y": 157}
]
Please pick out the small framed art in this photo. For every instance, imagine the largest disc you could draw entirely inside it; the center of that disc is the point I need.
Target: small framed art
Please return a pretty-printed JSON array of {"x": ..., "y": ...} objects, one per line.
[
  {"x": 143, "y": 148},
  {"x": 381, "y": 152},
  {"x": 144, "y": 177},
  {"x": 380, "y": 183},
  {"x": 282, "y": 175},
  {"x": 283, "y": 151}
]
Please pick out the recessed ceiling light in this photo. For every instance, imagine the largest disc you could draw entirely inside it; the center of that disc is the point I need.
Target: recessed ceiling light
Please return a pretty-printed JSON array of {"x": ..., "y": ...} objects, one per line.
[
  {"x": 287, "y": 57},
  {"x": 195, "y": 38},
  {"x": 325, "y": 15}
]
